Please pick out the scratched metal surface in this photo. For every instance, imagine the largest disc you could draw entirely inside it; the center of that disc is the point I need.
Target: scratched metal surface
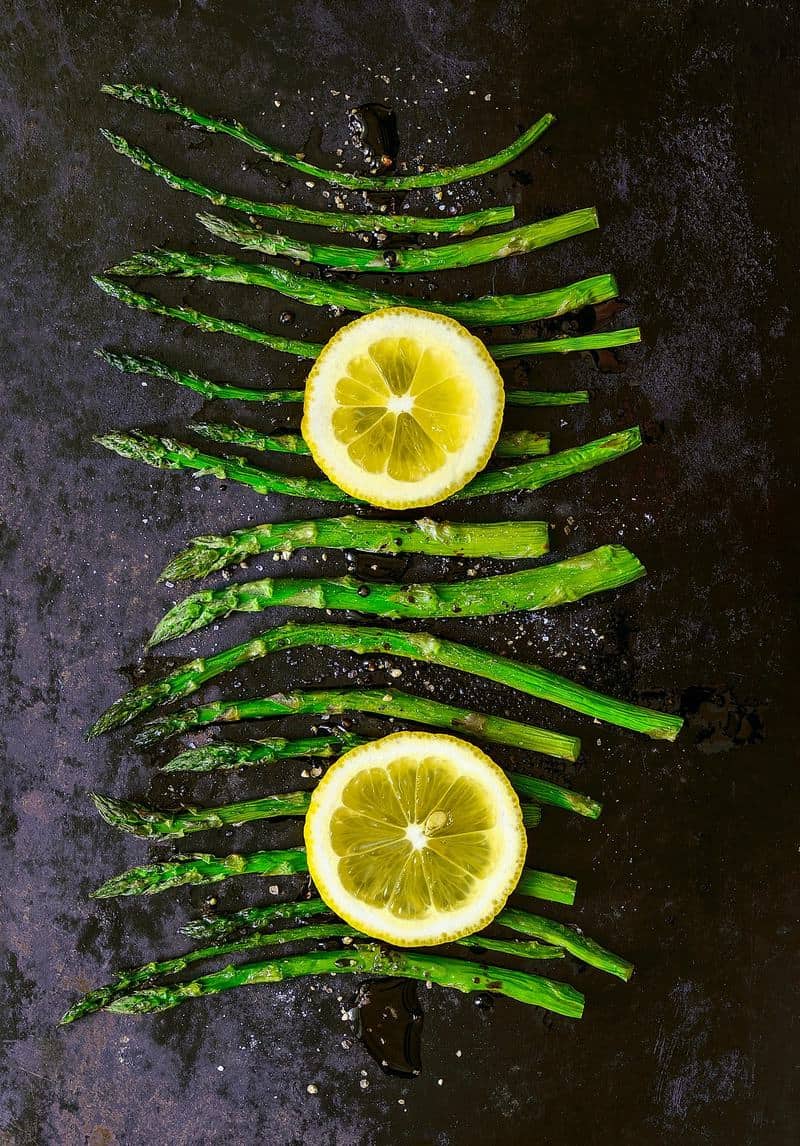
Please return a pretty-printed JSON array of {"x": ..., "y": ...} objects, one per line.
[{"x": 678, "y": 123}]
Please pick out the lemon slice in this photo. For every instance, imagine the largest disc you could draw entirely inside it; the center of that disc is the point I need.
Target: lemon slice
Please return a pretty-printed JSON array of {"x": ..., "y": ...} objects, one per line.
[
  {"x": 415, "y": 839},
  {"x": 402, "y": 408}
]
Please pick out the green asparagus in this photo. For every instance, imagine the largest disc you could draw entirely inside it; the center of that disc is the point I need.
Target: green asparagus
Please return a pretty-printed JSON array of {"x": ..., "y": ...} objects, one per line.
[
  {"x": 499, "y": 540},
  {"x": 333, "y": 702},
  {"x": 157, "y": 100},
  {"x": 372, "y": 959},
  {"x": 169, "y": 454},
  {"x": 465, "y": 224},
  {"x": 510, "y": 444},
  {"x": 598, "y": 570},
  {"x": 150, "y": 823},
  {"x": 211, "y": 324},
  {"x": 100, "y": 998},
  {"x": 408, "y": 260},
  {"x": 368, "y": 640},
  {"x": 159, "y": 824},
  {"x": 491, "y": 310},
  {"x": 214, "y": 757},
  {"x": 220, "y": 927},
  {"x": 130, "y": 364},
  {"x": 201, "y": 868}
]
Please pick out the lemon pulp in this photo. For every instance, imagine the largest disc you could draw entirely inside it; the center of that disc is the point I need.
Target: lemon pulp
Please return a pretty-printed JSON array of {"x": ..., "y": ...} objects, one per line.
[
  {"x": 402, "y": 407},
  {"x": 416, "y": 838}
]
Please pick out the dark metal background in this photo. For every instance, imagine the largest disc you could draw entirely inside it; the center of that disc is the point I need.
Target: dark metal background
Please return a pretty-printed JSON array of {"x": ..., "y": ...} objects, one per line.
[{"x": 677, "y": 120}]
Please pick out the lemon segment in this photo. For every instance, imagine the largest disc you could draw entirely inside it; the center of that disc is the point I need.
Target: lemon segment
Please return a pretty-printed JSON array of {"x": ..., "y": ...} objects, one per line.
[
  {"x": 415, "y": 839},
  {"x": 402, "y": 408}
]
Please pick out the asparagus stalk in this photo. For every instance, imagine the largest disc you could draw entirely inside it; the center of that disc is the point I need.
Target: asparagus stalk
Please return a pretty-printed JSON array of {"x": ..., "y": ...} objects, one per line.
[
  {"x": 157, "y": 100},
  {"x": 157, "y": 823},
  {"x": 161, "y": 824},
  {"x": 219, "y": 927},
  {"x": 510, "y": 444},
  {"x": 542, "y": 471},
  {"x": 500, "y": 540},
  {"x": 214, "y": 325},
  {"x": 226, "y": 756},
  {"x": 576, "y": 944},
  {"x": 130, "y": 364},
  {"x": 491, "y": 310},
  {"x": 368, "y": 640},
  {"x": 581, "y": 947},
  {"x": 546, "y": 792},
  {"x": 201, "y": 868},
  {"x": 545, "y": 885},
  {"x": 408, "y": 260},
  {"x": 331, "y": 702},
  {"x": 598, "y": 570},
  {"x": 167, "y": 453},
  {"x": 466, "y": 224},
  {"x": 372, "y": 959},
  {"x": 214, "y": 757},
  {"x": 100, "y": 998}
]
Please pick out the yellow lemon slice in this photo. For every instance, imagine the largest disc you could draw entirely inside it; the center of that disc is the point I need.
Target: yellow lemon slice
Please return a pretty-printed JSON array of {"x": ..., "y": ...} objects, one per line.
[
  {"x": 415, "y": 839},
  {"x": 402, "y": 408}
]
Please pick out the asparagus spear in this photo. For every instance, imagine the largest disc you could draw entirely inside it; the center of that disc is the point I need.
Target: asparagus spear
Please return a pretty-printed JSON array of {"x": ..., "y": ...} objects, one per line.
[
  {"x": 157, "y": 100},
  {"x": 408, "y": 260},
  {"x": 372, "y": 959},
  {"x": 100, "y": 998},
  {"x": 214, "y": 325},
  {"x": 332, "y": 702},
  {"x": 502, "y": 539},
  {"x": 161, "y": 824},
  {"x": 581, "y": 947},
  {"x": 202, "y": 868},
  {"x": 531, "y": 679},
  {"x": 167, "y": 453},
  {"x": 607, "y": 567},
  {"x": 491, "y": 310},
  {"x": 130, "y": 364},
  {"x": 225, "y": 756},
  {"x": 545, "y": 885},
  {"x": 158, "y": 823},
  {"x": 465, "y": 224},
  {"x": 213, "y": 757},
  {"x": 510, "y": 444}
]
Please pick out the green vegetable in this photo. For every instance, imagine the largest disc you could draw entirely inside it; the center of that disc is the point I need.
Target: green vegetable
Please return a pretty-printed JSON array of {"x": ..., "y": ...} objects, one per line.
[
  {"x": 201, "y": 868},
  {"x": 213, "y": 757},
  {"x": 501, "y": 539},
  {"x": 365, "y": 959},
  {"x": 409, "y": 260},
  {"x": 167, "y": 453},
  {"x": 100, "y": 998},
  {"x": 511, "y": 443},
  {"x": 332, "y": 702},
  {"x": 213, "y": 325},
  {"x": 159, "y": 824},
  {"x": 220, "y": 927},
  {"x": 608, "y": 567},
  {"x": 367, "y": 640},
  {"x": 491, "y": 310},
  {"x": 130, "y": 364},
  {"x": 156, "y": 100},
  {"x": 465, "y": 224}
]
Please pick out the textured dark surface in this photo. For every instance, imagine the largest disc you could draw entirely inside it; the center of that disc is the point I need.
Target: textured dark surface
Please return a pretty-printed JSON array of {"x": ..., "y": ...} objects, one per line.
[{"x": 677, "y": 120}]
